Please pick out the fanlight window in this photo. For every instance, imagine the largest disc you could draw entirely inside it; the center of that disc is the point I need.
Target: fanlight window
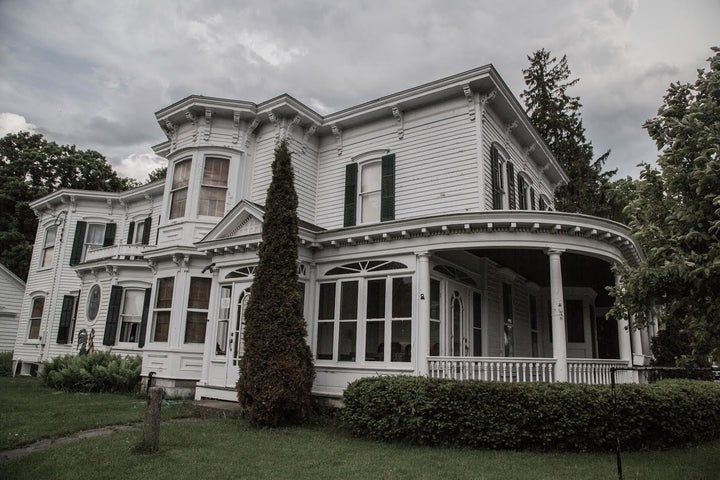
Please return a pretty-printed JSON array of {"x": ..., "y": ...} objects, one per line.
[
  {"x": 242, "y": 272},
  {"x": 456, "y": 274},
  {"x": 366, "y": 266}
]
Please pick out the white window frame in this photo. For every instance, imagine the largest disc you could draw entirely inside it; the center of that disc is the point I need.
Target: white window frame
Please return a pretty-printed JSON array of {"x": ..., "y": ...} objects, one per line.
[
  {"x": 123, "y": 316},
  {"x": 361, "y": 195},
  {"x": 86, "y": 243},
  {"x": 189, "y": 310},
  {"x": 174, "y": 191},
  {"x": 157, "y": 309},
  {"x": 45, "y": 260},
  {"x": 98, "y": 288},
  {"x": 206, "y": 187},
  {"x": 37, "y": 319},
  {"x": 138, "y": 231}
]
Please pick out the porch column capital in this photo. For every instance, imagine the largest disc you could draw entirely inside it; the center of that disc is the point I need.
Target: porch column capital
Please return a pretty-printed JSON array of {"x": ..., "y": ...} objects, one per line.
[
  {"x": 423, "y": 254},
  {"x": 550, "y": 252}
]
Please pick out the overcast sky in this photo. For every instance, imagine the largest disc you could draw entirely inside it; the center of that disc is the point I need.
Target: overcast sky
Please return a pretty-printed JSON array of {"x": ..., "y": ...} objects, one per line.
[{"x": 92, "y": 73}]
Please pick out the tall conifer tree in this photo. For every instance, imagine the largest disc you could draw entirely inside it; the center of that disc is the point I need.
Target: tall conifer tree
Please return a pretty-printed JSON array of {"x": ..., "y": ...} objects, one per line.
[
  {"x": 276, "y": 371},
  {"x": 556, "y": 116}
]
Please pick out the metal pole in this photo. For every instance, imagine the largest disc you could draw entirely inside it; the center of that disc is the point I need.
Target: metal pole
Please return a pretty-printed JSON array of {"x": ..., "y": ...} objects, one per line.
[{"x": 615, "y": 421}]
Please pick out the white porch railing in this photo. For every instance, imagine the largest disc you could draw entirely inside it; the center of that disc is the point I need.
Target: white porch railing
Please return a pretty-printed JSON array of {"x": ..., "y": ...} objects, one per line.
[
  {"x": 595, "y": 371},
  {"x": 115, "y": 251},
  {"x": 499, "y": 369}
]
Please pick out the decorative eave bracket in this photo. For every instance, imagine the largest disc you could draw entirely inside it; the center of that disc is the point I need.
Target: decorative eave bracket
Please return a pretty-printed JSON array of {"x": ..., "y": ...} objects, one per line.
[
  {"x": 236, "y": 127},
  {"x": 306, "y": 136},
  {"x": 484, "y": 99},
  {"x": 208, "y": 124},
  {"x": 398, "y": 114},
  {"x": 194, "y": 120},
  {"x": 508, "y": 128},
  {"x": 172, "y": 134},
  {"x": 250, "y": 130},
  {"x": 338, "y": 137},
  {"x": 470, "y": 101}
]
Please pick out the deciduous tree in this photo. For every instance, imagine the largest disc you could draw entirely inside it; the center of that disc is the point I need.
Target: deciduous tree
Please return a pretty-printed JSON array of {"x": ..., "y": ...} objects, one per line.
[
  {"x": 30, "y": 168},
  {"x": 676, "y": 218},
  {"x": 276, "y": 371}
]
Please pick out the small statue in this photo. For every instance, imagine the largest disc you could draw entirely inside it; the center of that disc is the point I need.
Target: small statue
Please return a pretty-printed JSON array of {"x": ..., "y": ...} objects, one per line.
[
  {"x": 91, "y": 342},
  {"x": 82, "y": 340}
]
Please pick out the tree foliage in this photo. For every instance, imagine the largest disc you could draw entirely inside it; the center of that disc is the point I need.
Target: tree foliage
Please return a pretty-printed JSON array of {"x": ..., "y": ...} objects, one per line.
[
  {"x": 276, "y": 371},
  {"x": 556, "y": 116},
  {"x": 676, "y": 218},
  {"x": 30, "y": 168},
  {"x": 158, "y": 174}
]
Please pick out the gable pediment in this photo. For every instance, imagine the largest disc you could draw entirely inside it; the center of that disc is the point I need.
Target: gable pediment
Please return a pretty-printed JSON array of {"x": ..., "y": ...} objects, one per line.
[{"x": 244, "y": 219}]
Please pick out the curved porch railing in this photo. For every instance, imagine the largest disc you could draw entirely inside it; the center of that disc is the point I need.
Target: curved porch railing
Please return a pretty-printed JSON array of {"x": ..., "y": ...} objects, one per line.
[
  {"x": 595, "y": 371},
  {"x": 499, "y": 369}
]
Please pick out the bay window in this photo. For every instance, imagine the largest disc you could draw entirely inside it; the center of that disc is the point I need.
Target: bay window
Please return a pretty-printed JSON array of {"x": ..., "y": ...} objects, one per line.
[
  {"x": 163, "y": 305},
  {"x": 213, "y": 189},
  {"x": 197, "y": 309},
  {"x": 179, "y": 189}
]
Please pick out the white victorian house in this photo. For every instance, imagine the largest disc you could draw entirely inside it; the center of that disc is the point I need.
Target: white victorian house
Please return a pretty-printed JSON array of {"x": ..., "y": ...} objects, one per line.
[{"x": 429, "y": 246}]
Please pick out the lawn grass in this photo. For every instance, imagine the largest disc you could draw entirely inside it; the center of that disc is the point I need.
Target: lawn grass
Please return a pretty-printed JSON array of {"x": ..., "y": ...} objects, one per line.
[
  {"x": 229, "y": 448},
  {"x": 30, "y": 411}
]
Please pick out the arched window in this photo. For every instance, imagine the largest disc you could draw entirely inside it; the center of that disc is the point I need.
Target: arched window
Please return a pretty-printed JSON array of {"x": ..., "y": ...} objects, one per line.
[
  {"x": 455, "y": 274},
  {"x": 366, "y": 266}
]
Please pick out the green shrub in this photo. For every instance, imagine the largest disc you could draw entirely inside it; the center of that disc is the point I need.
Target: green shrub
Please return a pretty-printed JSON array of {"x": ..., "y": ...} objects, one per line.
[
  {"x": 537, "y": 416},
  {"x": 97, "y": 372},
  {"x": 6, "y": 364}
]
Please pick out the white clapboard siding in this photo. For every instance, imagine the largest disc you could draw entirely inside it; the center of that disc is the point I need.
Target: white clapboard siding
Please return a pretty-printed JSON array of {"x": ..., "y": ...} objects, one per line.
[{"x": 11, "y": 294}]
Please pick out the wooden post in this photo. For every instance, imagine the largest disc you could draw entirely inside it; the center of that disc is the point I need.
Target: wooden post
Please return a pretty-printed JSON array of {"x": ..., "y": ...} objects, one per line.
[{"x": 150, "y": 441}]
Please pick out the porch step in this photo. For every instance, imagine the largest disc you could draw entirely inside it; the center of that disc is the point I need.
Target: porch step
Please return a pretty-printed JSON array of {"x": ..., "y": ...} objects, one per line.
[{"x": 216, "y": 408}]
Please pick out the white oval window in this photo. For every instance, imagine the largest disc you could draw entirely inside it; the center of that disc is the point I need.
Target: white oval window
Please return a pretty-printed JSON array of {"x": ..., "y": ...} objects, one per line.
[{"x": 93, "y": 304}]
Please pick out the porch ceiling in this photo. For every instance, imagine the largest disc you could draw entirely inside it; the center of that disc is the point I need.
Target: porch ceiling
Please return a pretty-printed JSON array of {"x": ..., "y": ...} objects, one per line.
[{"x": 577, "y": 270}]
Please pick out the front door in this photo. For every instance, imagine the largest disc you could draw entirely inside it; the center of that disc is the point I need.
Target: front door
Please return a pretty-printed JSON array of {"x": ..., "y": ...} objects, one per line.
[{"x": 235, "y": 338}]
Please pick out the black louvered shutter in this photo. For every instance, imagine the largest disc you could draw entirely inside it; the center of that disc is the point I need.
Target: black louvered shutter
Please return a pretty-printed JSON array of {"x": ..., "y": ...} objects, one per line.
[
  {"x": 78, "y": 242},
  {"x": 66, "y": 314},
  {"x": 131, "y": 231},
  {"x": 495, "y": 174},
  {"x": 511, "y": 185},
  {"x": 387, "y": 186},
  {"x": 144, "y": 318},
  {"x": 146, "y": 231},
  {"x": 532, "y": 198},
  {"x": 113, "y": 315},
  {"x": 351, "y": 170},
  {"x": 543, "y": 206},
  {"x": 522, "y": 199},
  {"x": 109, "y": 234}
]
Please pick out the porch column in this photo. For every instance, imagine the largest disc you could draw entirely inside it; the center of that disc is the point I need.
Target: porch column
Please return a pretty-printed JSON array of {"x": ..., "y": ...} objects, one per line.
[
  {"x": 557, "y": 303},
  {"x": 423, "y": 336},
  {"x": 636, "y": 340},
  {"x": 624, "y": 340}
]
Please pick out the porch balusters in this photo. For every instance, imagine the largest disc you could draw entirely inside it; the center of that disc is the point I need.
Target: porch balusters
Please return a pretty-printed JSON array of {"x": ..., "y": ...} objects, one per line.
[{"x": 498, "y": 369}]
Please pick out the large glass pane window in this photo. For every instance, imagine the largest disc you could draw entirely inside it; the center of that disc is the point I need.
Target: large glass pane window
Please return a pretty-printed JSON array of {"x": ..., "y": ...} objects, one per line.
[
  {"x": 223, "y": 320},
  {"x": 179, "y": 189},
  {"x": 434, "y": 317},
  {"x": 163, "y": 305},
  {"x": 385, "y": 320},
  {"x": 370, "y": 192},
  {"x": 477, "y": 325},
  {"x": 214, "y": 187},
  {"x": 48, "y": 247},
  {"x": 131, "y": 314},
  {"x": 375, "y": 323},
  {"x": 326, "y": 323},
  {"x": 197, "y": 311},
  {"x": 36, "y": 318}
]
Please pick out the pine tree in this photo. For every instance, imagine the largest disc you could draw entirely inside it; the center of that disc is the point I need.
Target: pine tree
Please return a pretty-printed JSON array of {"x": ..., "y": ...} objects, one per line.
[
  {"x": 276, "y": 371},
  {"x": 556, "y": 116}
]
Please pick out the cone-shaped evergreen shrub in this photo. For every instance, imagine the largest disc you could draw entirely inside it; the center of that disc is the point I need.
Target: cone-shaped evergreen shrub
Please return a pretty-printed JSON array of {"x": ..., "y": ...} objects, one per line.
[{"x": 276, "y": 371}]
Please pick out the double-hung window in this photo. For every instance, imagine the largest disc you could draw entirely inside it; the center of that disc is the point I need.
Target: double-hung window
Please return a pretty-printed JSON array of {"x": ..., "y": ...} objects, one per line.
[
  {"x": 497, "y": 179},
  {"x": 179, "y": 189},
  {"x": 522, "y": 192},
  {"x": 48, "y": 247},
  {"x": 38, "y": 304},
  {"x": 139, "y": 232},
  {"x": 131, "y": 315},
  {"x": 197, "y": 311},
  {"x": 370, "y": 191},
  {"x": 163, "y": 306},
  {"x": 213, "y": 189}
]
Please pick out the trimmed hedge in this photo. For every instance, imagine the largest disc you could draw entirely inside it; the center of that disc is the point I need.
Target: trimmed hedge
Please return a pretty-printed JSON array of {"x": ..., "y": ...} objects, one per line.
[
  {"x": 6, "y": 364},
  {"x": 531, "y": 416},
  {"x": 97, "y": 372}
]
